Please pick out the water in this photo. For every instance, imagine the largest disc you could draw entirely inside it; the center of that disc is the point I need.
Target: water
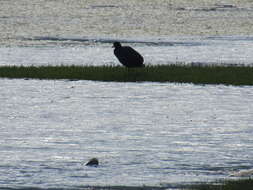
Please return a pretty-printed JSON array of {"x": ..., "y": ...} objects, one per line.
[
  {"x": 160, "y": 135},
  {"x": 230, "y": 50},
  {"x": 143, "y": 133},
  {"x": 54, "y": 32},
  {"x": 132, "y": 18}
]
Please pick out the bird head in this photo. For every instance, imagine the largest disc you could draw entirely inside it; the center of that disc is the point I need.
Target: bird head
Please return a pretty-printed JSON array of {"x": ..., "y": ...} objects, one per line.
[{"x": 116, "y": 45}]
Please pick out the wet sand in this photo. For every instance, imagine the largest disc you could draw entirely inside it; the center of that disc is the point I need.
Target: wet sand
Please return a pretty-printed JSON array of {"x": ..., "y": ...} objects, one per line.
[{"x": 132, "y": 18}]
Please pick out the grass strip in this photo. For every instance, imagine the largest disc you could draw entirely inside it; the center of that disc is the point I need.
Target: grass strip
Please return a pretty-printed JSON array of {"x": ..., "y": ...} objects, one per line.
[
  {"x": 228, "y": 75},
  {"x": 240, "y": 184}
]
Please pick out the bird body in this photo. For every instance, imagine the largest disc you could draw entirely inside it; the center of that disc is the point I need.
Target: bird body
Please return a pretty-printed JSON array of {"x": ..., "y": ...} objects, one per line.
[
  {"x": 128, "y": 56},
  {"x": 92, "y": 162}
]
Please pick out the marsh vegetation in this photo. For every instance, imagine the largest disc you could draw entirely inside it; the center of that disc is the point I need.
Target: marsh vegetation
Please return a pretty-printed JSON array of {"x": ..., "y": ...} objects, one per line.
[
  {"x": 228, "y": 75},
  {"x": 245, "y": 184}
]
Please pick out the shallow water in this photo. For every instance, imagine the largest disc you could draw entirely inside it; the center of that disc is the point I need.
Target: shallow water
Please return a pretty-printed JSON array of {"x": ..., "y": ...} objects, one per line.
[
  {"x": 226, "y": 50},
  {"x": 143, "y": 133}
]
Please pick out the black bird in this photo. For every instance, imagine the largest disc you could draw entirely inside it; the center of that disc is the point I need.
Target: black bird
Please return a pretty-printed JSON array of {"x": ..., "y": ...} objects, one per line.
[
  {"x": 92, "y": 162},
  {"x": 128, "y": 56}
]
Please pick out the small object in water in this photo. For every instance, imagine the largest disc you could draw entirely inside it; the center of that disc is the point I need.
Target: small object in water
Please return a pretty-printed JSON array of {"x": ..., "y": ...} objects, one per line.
[
  {"x": 92, "y": 162},
  {"x": 128, "y": 56}
]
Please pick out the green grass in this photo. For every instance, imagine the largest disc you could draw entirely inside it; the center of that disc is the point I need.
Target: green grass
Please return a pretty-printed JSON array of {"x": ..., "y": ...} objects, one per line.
[
  {"x": 230, "y": 75},
  {"x": 240, "y": 184}
]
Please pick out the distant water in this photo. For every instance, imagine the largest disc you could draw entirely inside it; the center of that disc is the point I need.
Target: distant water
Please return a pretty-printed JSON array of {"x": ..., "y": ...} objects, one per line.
[{"x": 53, "y": 32}]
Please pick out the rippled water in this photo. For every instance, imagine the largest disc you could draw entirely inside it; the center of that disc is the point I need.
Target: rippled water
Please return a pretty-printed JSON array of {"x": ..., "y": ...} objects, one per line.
[
  {"x": 152, "y": 134},
  {"x": 132, "y": 18},
  {"x": 143, "y": 133},
  {"x": 54, "y": 32},
  {"x": 230, "y": 50}
]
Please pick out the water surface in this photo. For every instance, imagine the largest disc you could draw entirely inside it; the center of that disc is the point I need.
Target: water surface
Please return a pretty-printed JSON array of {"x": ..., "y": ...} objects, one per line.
[
  {"x": 142, "y": 133},
  {"x": 226, "y": 50},
  {"x": 152, "y": 134}
]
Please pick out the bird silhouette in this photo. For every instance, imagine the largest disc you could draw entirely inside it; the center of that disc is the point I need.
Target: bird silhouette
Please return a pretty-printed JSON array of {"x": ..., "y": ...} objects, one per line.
[
  {"x": 92, "y": 162},
  {"x": 127, "y": 56}
]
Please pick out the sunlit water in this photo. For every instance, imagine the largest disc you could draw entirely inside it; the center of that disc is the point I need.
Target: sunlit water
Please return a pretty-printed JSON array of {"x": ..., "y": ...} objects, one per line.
[
  {"x": 157, "y": 134},
  {"x": 152, "y": 134},
  {"x": 230, "y": 50}
]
